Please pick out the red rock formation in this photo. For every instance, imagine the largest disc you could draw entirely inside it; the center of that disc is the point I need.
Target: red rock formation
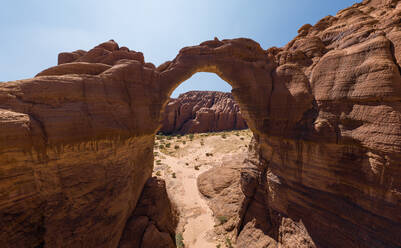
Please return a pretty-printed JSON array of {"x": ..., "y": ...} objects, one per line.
[
  {"x": 153, "y": 222},
  {"x": 76, "y": 141},
  {"x": 76, "y": 148},
  {"x": 202, "y": 111}
]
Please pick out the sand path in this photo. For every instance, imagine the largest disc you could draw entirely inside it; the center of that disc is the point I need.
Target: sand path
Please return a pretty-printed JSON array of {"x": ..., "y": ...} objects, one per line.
[{"x": 180, "y": 168}]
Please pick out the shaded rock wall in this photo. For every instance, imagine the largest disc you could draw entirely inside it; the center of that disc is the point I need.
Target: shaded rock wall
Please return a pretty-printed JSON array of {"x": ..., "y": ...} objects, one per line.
[
  {"x": 74, "y": 155},
  {"x": 154, "y": 220},
  {"x": 202, "y": 111},
  {"x": 76, "y": 141}
]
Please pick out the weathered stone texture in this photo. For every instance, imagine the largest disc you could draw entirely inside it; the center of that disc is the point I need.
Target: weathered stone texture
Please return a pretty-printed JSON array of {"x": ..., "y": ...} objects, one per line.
[{"x": 202, "y": 111}]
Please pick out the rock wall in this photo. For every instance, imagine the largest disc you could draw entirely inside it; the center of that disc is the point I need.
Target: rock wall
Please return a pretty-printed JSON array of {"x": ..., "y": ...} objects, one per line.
[
  {"x": 153, "y": 221},
  {"x": 75, "y": 154},
  {"x": 76, "y": 141},
  {"x": 201, "y": 112}
]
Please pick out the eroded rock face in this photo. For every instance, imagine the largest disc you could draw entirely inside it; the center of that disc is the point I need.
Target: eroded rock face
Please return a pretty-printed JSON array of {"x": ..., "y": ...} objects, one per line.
[
  {"x": 202, "y": 111},
  {"x": 153, "y": 222},
  {"x": 75, "y": 153},
  {"x": 76, "y": 141}
]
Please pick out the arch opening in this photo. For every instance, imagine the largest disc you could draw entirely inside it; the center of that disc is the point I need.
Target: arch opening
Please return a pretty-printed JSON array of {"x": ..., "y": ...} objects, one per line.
[
  {"x": 200, "y": 109},
  {"x": 202, "y": 81},
  {"x": 196, "y": 143}
]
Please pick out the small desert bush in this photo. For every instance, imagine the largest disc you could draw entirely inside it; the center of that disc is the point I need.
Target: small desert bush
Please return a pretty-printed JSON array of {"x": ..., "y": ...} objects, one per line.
[
  {"x": 176, "y": 147},
  {"x": 158, "y": 173},
  {"x": 224, "y": 136},
  {"x": 168, "y": 145},
  {"x": 161, "y": 146},
  {"x": 228, "y": 243},
  {"x": 191, "y": 136},
  {"x": 179, "y": 240},
  {"x": 242, "y": 138},
  {"x": 222, "y": 219},
  {"x": 196, "y": 167},
  {"x": 208, "y": 154},
  {"x": 169, "y": 137},
  {"x": 184, "y": 142},
  {"x": 178, "y": 136},
  {"x": 173, "y": 175}
]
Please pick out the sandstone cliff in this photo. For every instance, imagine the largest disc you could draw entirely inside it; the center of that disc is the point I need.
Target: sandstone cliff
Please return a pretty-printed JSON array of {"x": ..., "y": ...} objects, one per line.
[
  {"x": 76, "y": 141},
  {"x": 202, "y": 111}
]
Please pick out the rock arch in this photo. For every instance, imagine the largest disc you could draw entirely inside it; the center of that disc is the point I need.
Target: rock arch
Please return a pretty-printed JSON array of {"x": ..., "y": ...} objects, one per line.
[{"x": 242, "y": 63}]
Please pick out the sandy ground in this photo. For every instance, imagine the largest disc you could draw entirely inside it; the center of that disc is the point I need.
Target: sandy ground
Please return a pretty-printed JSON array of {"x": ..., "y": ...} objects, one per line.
[{"x": 180, "y": 164}]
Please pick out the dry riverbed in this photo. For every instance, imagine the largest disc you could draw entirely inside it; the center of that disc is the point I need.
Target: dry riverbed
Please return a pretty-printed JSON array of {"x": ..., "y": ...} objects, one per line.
[{"x": 180, "y": 160}]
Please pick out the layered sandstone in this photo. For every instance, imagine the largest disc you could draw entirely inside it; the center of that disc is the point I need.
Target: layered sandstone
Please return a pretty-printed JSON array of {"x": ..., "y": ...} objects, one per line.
[
  {"x": 154, "y": 220},
  {"x": 76, "y": 148},
  {"x": 76, "y": 141},
  {"x": 202, "y": 111}
]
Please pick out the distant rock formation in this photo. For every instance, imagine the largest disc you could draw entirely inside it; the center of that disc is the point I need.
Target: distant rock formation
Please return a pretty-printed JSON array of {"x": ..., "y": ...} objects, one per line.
[{"x": 202, "y": 111}]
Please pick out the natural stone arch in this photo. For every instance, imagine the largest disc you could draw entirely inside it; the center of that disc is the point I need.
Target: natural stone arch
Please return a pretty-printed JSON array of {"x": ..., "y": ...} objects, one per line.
[{"x": 242, "y": 63}]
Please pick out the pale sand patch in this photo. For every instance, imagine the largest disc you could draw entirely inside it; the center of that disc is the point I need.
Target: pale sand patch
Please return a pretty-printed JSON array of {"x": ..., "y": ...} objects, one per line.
[{"x": 196, "y": 219}]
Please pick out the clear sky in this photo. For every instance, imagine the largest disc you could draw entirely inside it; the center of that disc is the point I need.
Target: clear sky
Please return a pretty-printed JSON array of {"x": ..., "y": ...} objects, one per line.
[{"x": 33, "y": 32}]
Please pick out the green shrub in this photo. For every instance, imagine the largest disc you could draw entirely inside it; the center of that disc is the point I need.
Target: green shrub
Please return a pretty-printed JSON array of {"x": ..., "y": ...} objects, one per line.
[
  {"x": 169, "y": 137},
  {"x": 179, "y": 240},
  {"x": 158, "y": 173},
  {"x": 178, "y": 136},
  {"x": 228, "y": 243},
  {"x": 191, "y": 136},
  {"x": 168, "y": 145},
  {"x": 161, "y": 146},
  {"x": 184, "y": 142},
  {"x": 222, "y": 219},
  {"x": 176, "y": 147},
  {"x": 224, "y": 136}
]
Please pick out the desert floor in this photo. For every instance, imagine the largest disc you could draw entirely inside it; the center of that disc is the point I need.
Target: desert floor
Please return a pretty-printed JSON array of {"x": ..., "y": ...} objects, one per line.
[{"x": 180, "y": 160}]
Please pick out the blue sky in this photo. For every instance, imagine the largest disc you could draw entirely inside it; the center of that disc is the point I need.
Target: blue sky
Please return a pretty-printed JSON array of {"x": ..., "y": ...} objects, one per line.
[{"x": 33, "y": 32}]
